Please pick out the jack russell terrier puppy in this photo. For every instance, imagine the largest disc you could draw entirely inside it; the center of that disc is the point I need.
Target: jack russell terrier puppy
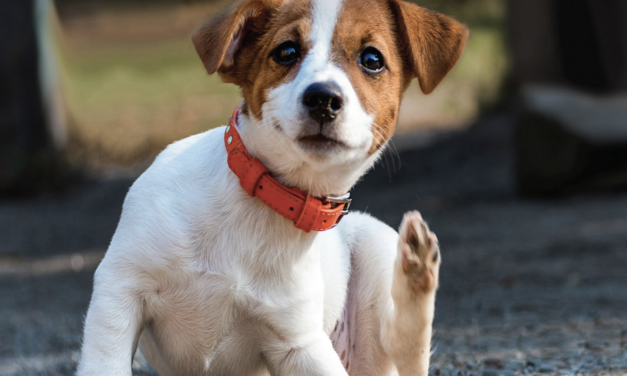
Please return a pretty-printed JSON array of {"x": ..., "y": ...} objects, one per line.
[{"x": 227, "y": 261}]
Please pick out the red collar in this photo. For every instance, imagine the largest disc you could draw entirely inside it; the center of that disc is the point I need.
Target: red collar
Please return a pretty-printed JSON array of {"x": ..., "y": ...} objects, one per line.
[{"x": 308, "y": 213}]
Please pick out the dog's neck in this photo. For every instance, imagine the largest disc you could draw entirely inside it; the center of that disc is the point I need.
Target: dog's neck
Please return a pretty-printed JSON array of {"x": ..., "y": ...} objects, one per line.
[
  {"x": 288, "y": 165},
  {"x": 269, "y": 242},
  {"x": 264, "y": 243}
]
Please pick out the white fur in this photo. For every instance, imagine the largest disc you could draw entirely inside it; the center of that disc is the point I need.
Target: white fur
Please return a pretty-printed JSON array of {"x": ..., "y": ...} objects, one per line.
[{"x": 210, "y": 281}]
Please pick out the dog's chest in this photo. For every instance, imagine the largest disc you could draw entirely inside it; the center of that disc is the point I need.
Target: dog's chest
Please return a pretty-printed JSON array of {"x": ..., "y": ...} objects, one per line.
[
  {"x": 206, "y": 323},
  {"x": 224, "y": 317}
]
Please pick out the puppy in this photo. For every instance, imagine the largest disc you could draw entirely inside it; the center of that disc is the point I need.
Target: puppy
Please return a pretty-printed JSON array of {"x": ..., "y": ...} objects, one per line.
[{"x": 227, "y": 259}]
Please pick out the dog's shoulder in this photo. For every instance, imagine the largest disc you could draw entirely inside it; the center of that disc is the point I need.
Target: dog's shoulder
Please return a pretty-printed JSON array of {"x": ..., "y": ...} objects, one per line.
[
  {"x": 370, "y": 235},
  {"x": 183, "y": 167},
  {"x": 192, "y": 155},
  {"x": 357, "y": 226},
  {"x": 172, "y": 193}
]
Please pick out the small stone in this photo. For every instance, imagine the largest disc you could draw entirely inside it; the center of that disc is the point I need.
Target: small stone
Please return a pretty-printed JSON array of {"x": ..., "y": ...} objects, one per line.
[
  {"x": 545, "y": 368},
  {"x": 493, "y": 363}
]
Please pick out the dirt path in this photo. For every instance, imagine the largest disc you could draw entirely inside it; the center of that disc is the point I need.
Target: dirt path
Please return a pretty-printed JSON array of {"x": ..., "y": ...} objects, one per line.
[{"x": 527, "y": 287}]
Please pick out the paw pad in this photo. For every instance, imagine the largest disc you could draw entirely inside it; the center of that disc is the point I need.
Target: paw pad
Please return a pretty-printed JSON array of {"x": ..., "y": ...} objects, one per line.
[{"x": 420, "y": 253}]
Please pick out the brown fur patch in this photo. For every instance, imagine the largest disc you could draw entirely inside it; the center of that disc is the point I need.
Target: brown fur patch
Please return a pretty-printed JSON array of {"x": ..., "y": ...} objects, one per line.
[
  {"x": 218, "y": 39},
  {"x": 291, "y": 22},
  {"x": 369, "y": 23},
  {"x": 432, "y": 41},
  {"x": 414, "y": 41},
  {"x": 250, "y": 30}
]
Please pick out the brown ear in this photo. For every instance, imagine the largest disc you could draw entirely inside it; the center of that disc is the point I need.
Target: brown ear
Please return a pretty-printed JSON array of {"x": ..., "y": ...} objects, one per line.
[
  {"x": 218, "y": 40},
  {"x": 433, "y": 42}
]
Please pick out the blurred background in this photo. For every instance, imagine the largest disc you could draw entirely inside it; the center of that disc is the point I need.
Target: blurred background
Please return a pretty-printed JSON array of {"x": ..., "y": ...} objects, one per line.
[{"x": 518, "y": 160}]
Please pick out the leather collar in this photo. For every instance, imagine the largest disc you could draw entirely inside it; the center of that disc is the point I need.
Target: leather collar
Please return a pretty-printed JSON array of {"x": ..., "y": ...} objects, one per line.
[{"x": 306, "y": 212}]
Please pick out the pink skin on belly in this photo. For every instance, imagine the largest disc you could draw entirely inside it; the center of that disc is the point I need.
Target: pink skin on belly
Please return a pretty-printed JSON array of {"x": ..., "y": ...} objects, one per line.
[{"x": 343, "y": 336}]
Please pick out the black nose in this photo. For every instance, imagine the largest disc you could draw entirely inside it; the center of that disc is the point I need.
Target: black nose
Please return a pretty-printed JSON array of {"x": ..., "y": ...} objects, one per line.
[{"x": 324, "y": 101}]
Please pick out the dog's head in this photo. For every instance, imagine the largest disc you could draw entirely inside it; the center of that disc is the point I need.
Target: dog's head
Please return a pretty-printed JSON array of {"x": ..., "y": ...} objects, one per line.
[{"x": 322, "y": 80}]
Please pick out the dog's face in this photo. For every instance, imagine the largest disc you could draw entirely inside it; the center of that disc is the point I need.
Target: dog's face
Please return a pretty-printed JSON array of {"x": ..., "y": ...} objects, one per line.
[{"x": 322, "y": 80}]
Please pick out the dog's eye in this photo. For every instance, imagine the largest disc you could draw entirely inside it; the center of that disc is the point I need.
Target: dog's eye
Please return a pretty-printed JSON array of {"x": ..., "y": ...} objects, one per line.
[
  {"x": 372, "y": 60},
  {"x": 286, "y": 53}
]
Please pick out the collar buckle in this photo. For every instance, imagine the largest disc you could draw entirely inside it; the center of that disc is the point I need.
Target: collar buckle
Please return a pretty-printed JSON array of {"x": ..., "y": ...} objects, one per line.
[{"x": 337, "y": 201}]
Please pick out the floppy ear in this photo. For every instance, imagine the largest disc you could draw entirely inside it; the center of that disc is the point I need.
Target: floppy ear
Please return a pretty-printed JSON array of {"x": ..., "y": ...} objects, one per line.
[
  {"x": 432, "y": 41},
  {"x": 218, "y": 40}
]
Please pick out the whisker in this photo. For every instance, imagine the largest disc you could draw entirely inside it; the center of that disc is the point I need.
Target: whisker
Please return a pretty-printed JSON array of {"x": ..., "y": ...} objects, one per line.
[
  {"x": 378, "y": 130},
  {"x": 384, "y": 154},
  {"x": 395, "y": 151}
]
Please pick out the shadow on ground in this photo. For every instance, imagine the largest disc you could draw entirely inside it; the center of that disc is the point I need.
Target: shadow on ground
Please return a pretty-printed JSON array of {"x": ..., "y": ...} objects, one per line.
[{"x": 526, "y": 286}]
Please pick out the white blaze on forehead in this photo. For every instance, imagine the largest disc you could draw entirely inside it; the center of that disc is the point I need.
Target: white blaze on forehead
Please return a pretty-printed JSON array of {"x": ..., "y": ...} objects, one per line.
[{"x": 325, "y": 14}]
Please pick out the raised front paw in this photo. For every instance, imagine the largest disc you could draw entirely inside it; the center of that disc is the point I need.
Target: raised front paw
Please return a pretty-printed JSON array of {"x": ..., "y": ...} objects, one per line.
[{"x": 419, "y": 252}]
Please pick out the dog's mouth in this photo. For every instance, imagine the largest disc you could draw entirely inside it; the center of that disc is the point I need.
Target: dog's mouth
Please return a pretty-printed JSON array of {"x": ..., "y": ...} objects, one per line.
[{"x": 320, "y": 142}]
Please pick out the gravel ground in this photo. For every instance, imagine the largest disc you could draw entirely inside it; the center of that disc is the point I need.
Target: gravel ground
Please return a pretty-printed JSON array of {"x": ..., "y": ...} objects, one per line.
[{"x": 527, "y": 287}]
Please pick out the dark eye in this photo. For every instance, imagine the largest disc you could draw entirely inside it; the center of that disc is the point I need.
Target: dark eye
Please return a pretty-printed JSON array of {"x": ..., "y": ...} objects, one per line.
[
  {"x": 372, "y": 60},
  {"x": 286, "y": 53}
]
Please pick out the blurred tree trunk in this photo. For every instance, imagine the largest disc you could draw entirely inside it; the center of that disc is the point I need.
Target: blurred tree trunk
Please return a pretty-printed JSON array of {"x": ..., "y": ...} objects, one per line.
[
  {"x": 577, "y": 42},
  {"x": 533, "y": 41},
  {"x": 592, "y": 36},
  {"x": 26, "y": 149}
]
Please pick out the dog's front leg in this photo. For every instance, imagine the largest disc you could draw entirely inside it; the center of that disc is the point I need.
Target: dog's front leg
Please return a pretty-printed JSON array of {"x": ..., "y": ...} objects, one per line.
[
  {"x": 316, "y": 358},
  {"x": 112, "y": 328},
  {"x": 406, "y": 329}
]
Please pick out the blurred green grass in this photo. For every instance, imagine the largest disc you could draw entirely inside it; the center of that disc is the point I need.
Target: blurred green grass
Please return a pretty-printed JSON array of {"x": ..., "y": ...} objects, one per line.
[
  {"x": 129, "y": 98},
  {"x": 128, "y": 103}
]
